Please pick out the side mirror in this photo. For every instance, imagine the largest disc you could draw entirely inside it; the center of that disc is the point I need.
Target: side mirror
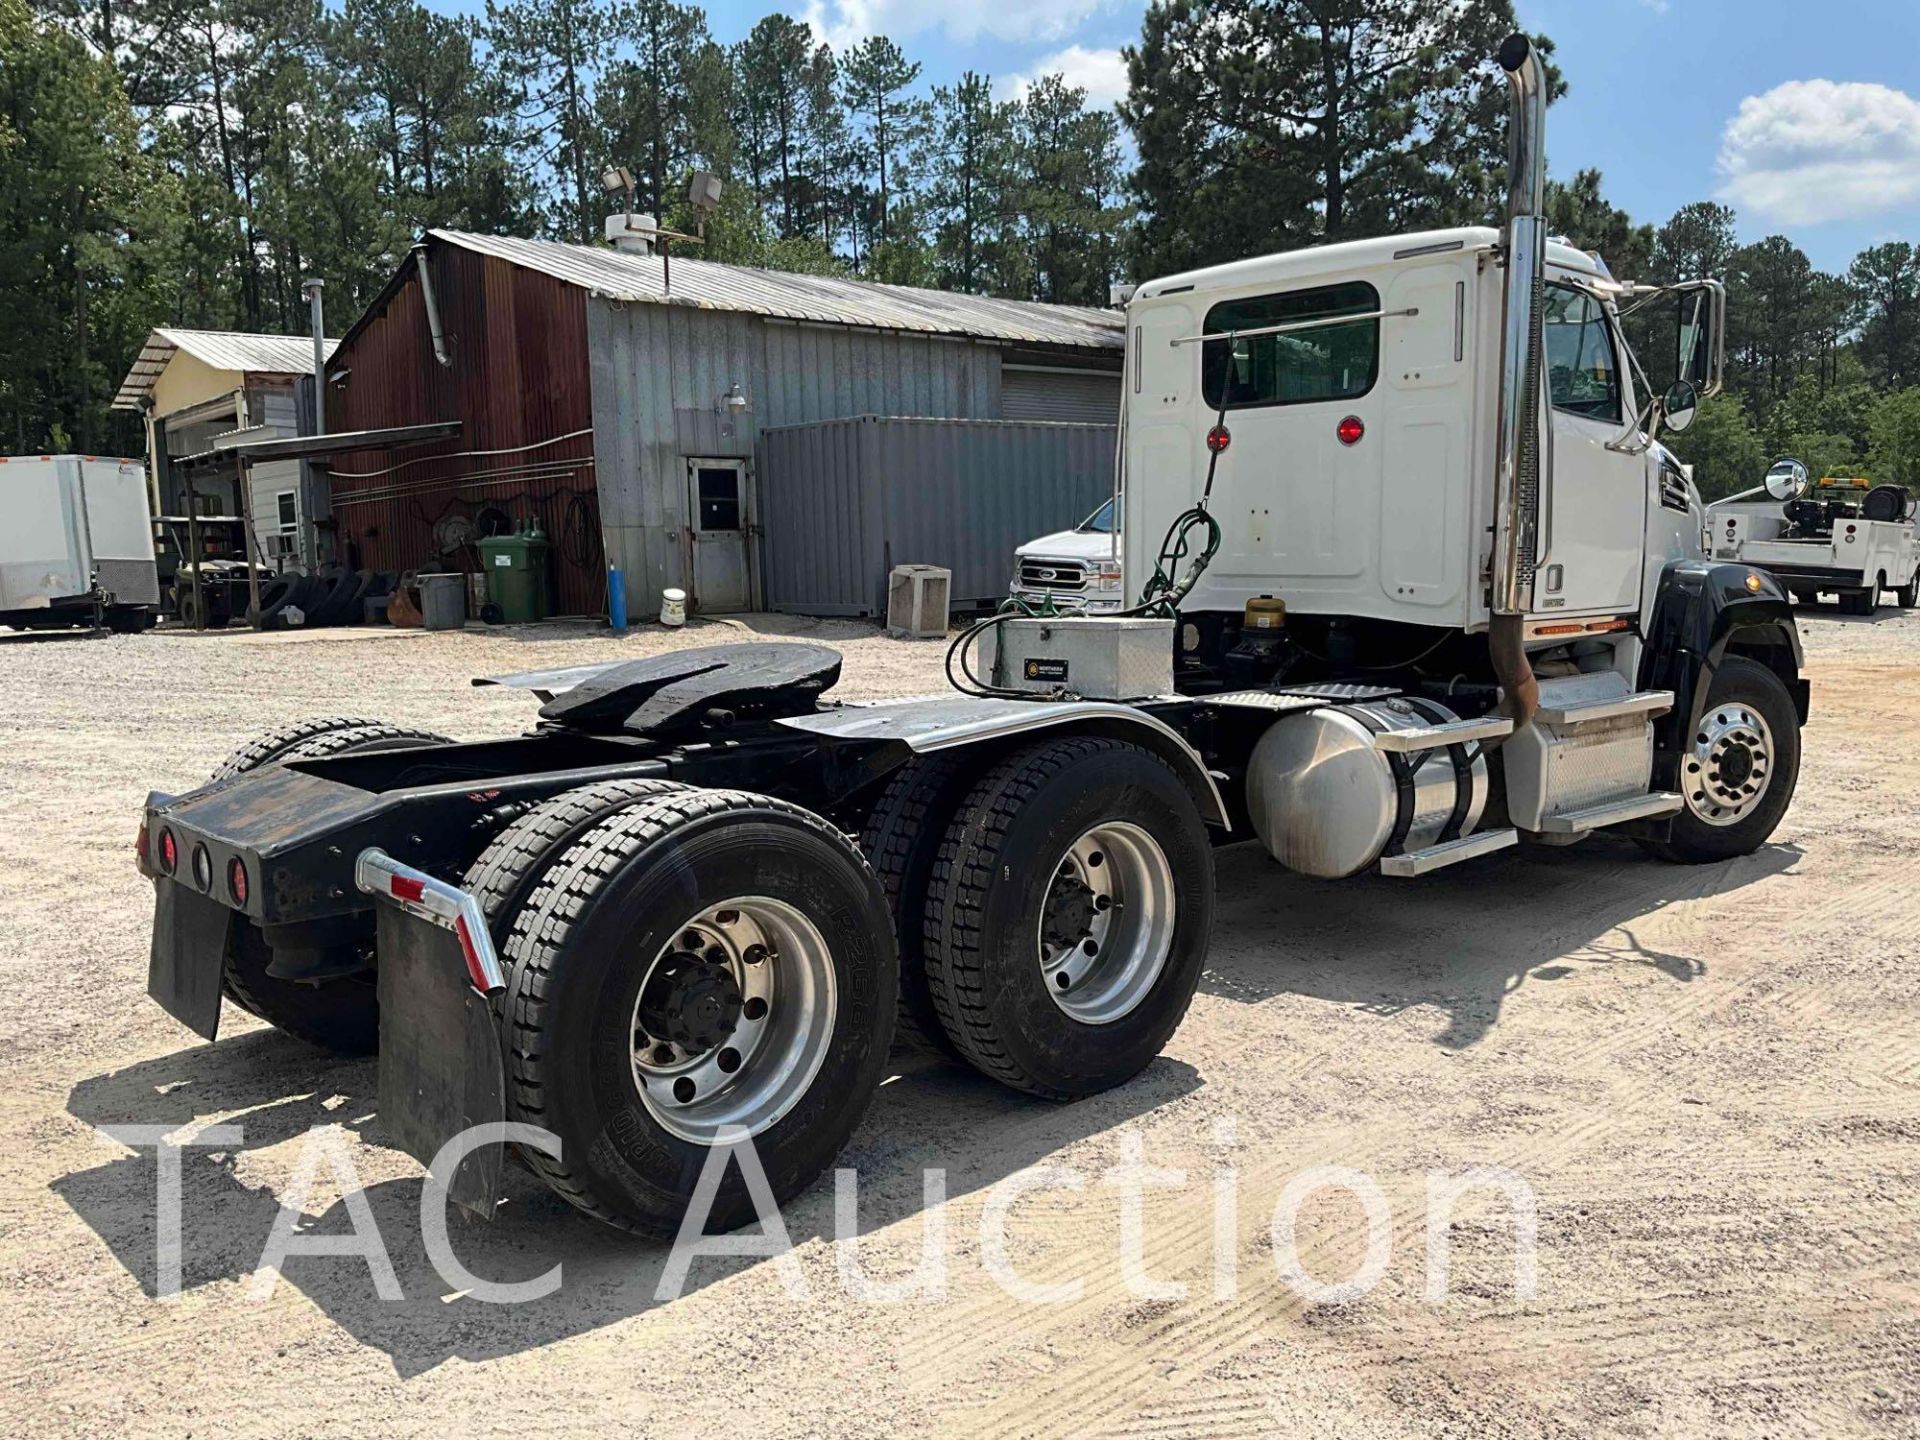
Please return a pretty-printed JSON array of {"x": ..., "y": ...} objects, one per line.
[
  {"x": 1679, "y": 405},
  {"x": 1693, "y": 359},
  {"x": 1787, "y": 480}
]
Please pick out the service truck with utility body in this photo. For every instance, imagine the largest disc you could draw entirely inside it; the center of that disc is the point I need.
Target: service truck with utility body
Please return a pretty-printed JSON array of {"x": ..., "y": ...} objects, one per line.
[
  {"x": 1844, "y": 537},
  {"x": 1428, "y": 587}
]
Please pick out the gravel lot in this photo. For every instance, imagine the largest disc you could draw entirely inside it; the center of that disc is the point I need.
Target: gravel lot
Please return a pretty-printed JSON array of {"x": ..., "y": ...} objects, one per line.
[{"x": 1709, "y": 1078}]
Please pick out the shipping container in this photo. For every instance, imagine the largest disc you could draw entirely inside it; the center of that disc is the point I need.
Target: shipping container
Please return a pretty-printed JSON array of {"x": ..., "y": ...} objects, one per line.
[{"x": 844, "y": 501}]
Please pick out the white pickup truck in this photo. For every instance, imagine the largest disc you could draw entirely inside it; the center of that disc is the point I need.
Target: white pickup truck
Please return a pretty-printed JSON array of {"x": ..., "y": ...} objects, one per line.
[
  {"x": 1077, "y": 569},
  {"x": 1841, "y": 536}
]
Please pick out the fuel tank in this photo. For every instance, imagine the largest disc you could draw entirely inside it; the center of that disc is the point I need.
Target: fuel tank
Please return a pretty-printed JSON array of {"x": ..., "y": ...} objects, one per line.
[{"x": 1326, "y": 800}]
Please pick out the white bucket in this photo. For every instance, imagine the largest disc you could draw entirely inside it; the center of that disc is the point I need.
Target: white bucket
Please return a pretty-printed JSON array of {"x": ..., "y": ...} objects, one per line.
[{"x": 673, "y": 607}]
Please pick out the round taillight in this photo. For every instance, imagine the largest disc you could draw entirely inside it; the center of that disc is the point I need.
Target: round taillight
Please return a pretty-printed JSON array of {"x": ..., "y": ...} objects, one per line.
[
  {"x": 169, "y": 852},
  {"x": 237, "y": 880},
  {"x": 1350, "y": 430},
  {"x": 1219, "y": 438},
  {"x": 202, "y": 867}
]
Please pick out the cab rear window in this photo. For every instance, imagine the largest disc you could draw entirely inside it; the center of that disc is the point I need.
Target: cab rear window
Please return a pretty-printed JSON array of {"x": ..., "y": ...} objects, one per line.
[{"x": 1325, "y": 362}]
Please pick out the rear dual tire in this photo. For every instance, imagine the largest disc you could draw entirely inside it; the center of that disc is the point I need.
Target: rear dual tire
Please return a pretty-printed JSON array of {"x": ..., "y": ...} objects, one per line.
[
  {"x": 596, "y": 953},
  {"x": 341, "y": 1013},
  {"x": 1014, "y": 898}
]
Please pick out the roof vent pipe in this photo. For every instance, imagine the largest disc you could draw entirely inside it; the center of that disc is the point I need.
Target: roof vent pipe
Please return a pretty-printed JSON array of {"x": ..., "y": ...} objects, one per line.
[
  {"x": 632, "y": 234},
  {"x": 1518, "y": 479},
  {"x": 433, "y": 310}
]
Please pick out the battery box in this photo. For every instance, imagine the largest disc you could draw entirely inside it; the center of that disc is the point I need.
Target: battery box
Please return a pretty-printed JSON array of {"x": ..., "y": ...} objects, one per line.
[{"x": 1092, "y": 657}]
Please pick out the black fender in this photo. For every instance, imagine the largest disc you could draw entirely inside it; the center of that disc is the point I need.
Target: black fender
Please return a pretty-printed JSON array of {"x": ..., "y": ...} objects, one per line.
[{"x": 1704, "y": 611}]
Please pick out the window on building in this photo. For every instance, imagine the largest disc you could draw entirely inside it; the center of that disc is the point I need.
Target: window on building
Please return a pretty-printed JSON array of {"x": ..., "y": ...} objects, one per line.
[
  {"x": 1582, "y": 376},
  {"x": 1327, "y": 362},
  {"x": 289, "y": 514}
]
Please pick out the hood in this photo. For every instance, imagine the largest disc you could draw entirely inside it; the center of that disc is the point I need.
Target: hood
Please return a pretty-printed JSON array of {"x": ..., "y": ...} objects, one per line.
[{"x": 1070, "y": 545}]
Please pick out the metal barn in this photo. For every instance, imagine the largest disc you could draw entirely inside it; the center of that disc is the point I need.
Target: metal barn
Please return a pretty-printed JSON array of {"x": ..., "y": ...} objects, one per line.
[{"x": 620, "y": 398}]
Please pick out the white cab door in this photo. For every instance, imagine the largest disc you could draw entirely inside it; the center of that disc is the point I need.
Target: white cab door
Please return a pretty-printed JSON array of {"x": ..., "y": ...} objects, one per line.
[{"x": 1593, "y": 525}]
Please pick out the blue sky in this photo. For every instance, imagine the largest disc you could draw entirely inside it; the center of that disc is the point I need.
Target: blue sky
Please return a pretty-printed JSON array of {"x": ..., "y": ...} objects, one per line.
[{"x": 1802, "y": 114}]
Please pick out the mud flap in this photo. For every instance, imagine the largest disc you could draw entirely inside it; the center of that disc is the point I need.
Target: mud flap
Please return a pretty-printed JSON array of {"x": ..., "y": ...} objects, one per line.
[
  {"x": 191, "y": 938},
  {"x": 441, "y": 1070}
]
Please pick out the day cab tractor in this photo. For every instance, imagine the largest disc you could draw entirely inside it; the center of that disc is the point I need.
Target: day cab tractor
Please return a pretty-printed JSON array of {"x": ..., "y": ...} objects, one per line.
[{"x": 1428, "y": 587}]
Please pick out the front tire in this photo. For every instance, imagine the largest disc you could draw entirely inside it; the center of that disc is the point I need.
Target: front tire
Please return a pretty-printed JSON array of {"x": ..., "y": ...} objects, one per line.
[
  {"x": 1738, "y": 773},
  {"x": 1068, "y": 916},
  {"x": 659, "y": 959}
]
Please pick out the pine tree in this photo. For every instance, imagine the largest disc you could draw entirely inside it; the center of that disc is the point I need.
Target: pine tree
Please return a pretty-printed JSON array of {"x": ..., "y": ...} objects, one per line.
[{"x": 552, "y": 50}]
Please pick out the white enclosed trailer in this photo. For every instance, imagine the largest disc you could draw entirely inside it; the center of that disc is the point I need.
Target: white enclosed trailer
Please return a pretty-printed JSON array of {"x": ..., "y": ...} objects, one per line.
[{"x": 76, "y": 542}]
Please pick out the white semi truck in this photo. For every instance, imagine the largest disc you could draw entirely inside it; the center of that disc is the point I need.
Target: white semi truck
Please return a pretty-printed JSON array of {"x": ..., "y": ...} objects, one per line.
[
  {"x": 1428, "y": 587},
  {"x": 1842, "y": 537}
]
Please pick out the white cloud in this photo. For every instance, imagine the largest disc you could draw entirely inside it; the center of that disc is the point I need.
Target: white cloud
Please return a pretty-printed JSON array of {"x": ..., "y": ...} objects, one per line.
[
  {"x": 1101, "y": 73},
  {"x": 841, "y": 22},
  {"x": 1813, "y": 150}
]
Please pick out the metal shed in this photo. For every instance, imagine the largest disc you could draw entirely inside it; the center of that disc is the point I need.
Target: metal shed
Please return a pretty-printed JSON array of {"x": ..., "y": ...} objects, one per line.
[
  {"x": 623, "y": 403},
  {"x": 844, "y": 501}
]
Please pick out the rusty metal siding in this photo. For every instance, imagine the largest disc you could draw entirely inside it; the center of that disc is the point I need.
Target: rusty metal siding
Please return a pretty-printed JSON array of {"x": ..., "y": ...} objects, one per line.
[
  {"x": 519, "y": 386},
  {"x": 846, "y": 500},
  {"x": 659, "y": 373}
]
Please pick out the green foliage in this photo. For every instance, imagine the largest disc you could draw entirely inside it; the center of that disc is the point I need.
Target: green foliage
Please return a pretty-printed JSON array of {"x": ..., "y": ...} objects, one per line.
[
  {"x": 1265, "y": 126},
  {"x": 1895, "y": 430},
  {"x": 1581, "y": 214},
  {"x": 1726, "y": 453},
  {"x": 190, "y": 161},
  {"x": 88, "y": 223}
]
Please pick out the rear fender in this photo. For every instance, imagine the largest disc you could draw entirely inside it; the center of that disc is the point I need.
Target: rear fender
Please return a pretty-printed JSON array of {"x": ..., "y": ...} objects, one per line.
[{"x": 944, "y": 723}]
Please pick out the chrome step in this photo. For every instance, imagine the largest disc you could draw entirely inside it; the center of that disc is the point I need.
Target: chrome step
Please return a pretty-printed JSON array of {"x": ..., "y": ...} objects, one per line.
[
  {"x": 1613, "y": 812},
  {"x": 1454, "y": 732},
  {"x": 1644, "y": 702},
  {"x": 1438, "y": 857},
  {"x": 1269, "y": 700}
]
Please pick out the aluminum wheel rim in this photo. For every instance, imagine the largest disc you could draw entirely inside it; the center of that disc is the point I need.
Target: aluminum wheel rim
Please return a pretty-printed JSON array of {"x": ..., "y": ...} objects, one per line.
[
  {"x": 782, "y": 969},
  {"x": 1106, "y": 923},
  {"x": 1729, "y": 768}
]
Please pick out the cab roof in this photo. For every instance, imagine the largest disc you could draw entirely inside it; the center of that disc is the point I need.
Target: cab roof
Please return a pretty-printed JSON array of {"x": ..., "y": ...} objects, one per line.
[{"x": 1292, "y": 266}]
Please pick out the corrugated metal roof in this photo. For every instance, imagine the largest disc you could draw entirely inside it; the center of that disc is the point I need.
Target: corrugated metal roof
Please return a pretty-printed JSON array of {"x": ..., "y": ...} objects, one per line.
[
  {"x": 220, "y": 350},
  {"x": 823, "y": 299}
]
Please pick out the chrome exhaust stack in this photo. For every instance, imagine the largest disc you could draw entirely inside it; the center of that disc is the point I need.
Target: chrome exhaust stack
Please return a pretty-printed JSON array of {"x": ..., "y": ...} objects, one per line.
[{"x": 1519, "y": 478}]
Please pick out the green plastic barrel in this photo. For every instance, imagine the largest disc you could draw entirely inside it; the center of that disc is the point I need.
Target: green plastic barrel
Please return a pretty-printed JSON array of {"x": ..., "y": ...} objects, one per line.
[{"x": 517, "y": 574}]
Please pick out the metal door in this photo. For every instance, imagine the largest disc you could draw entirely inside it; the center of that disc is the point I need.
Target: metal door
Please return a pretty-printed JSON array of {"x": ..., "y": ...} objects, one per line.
[{"x": 719, "y": 502}]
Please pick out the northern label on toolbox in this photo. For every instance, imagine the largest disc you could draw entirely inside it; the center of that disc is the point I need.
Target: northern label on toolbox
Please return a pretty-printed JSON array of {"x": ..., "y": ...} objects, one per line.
[{"x": 1043, "y": 668}]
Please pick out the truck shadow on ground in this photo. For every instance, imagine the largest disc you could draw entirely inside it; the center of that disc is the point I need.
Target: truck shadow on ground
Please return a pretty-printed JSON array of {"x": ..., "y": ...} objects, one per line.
[
  {"x": 931, "y": 1116},
  {"x": 1459, "y": 941}
]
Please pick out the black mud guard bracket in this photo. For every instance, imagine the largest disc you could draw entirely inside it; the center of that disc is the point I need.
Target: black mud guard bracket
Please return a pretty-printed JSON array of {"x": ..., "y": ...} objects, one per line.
[
  {"x": 192, "y": 937},
  {"x": 441, "y": 1067}
]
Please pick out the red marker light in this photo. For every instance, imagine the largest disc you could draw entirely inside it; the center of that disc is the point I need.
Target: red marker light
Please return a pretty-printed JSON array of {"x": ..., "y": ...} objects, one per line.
[
  {"x": 237, "y": 880},
  {"x": 1350, "y": 430},
  {"x": 1219, "y": 438},
  {"x": 402, "y": 888},
  {"x": 169, "y": 852}
]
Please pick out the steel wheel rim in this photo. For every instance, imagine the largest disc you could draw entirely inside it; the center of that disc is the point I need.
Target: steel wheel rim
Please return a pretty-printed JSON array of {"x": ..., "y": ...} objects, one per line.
[
  {"x": 781, "y": 969},
  {"x": 1729, "y": 767},
  {"x": 1106, "y": 923}
]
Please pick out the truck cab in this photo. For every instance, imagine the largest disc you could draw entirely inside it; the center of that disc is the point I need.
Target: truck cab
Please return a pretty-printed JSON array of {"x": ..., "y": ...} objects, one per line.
[{"x": 1354, "y": 468}]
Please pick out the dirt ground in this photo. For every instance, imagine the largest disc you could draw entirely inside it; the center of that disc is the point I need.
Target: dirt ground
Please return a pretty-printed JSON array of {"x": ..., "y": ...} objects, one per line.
[{"x": 1708, "y": 1078}]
